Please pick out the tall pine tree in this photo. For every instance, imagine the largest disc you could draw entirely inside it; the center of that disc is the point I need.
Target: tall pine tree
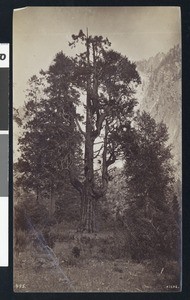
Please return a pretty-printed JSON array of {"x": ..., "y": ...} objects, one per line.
[{"x": 108, "y": 80}]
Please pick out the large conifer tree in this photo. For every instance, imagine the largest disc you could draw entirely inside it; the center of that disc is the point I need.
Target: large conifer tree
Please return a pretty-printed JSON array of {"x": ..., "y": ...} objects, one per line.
[{"x": 107, "y": 81}]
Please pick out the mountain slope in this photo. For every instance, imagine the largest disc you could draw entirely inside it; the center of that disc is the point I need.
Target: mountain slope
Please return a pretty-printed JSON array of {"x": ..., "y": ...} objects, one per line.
[{"x": 160, "y": 93}]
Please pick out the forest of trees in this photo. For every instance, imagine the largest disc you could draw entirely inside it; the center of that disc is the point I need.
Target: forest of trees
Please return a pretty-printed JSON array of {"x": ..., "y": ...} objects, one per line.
[{"x": 68, "y": 162}]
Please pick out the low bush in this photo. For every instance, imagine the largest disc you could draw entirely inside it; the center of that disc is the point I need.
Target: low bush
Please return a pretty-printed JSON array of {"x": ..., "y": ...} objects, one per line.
[
  {"x": 29, "y": 215},
  {"x": 21, "y": 240},
  {"x": 152, "y": 238}
]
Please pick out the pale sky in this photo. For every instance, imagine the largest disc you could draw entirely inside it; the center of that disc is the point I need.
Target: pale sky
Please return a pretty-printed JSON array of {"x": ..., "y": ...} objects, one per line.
[{"x": 40, "y": 32}]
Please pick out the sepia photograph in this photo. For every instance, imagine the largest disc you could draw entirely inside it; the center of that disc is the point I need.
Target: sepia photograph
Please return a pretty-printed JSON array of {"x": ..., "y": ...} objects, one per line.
[{"x": 97, "y": 152}]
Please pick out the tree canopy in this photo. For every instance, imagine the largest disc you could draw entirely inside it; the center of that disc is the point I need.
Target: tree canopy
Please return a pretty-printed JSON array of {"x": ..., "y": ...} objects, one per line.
[
  {"x": 149, "y": 214},
  {"x": 102, "y": 83},
  {"x": 49, "y": 132},
  {"x": 148, "y": 162}
]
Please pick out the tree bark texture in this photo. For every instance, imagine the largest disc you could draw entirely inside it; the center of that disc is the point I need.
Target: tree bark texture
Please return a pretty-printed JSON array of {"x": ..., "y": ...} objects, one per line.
[
  {"x": 88, "y": 212},
  {"x": 95, "y": 121},
  {"x": 52, "y": 203}
]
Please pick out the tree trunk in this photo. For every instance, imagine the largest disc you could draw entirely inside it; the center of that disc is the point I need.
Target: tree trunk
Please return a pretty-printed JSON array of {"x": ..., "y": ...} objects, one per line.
[
  {"x": 52, "y": 203},
  {"x": 37, "y": 196},
  {"x": 88, "y": 212},
  {"x": 94, "y": 121},
  {"x": 88, "y": 197}
]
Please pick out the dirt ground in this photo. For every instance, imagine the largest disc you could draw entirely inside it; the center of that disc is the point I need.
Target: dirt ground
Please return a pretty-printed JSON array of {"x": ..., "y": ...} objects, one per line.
[
  {"x": 54, "y": 272},
  {"x": 94, "y": 276}
]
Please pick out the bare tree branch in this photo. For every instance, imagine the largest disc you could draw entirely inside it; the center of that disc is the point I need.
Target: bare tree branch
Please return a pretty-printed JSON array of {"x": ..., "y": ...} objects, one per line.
[
  {"x": 98, "y": 143},
  {"x": 98, "y": 151},
  {"x": 79, "y": 127},
  {"x": 111, "y": 159}
]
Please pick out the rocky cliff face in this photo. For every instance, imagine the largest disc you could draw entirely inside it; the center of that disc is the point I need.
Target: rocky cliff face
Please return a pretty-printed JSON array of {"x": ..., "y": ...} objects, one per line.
[{"x": 160, "y": 94}]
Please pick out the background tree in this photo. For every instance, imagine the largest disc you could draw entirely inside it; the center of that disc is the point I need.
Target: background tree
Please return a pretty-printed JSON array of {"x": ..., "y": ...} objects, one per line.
[
  {"x": 49, "y": 133},
  {"x": 148, "y": 163},
  {"x": 150, "y": 217}
]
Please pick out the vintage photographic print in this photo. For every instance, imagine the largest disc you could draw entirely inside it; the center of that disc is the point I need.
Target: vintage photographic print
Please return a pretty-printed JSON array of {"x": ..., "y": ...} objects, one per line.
[{"x": 97, "y": 149}]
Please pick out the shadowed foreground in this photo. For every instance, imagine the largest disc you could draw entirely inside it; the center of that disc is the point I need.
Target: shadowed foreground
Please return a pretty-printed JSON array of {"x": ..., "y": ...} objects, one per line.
[{"x": 91, "y": 266}]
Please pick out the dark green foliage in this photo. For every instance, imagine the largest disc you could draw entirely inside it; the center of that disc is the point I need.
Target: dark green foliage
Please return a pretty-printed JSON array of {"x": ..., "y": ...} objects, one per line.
[
  {"x": 20, "y": 240},
  {"x": 49, "y": 131},
  {"x": 159, "y": 237},
  {"x": 49, "y": 144},
  {"x": 68, "y": 204},
  {"x": 29, "y": 218},
  {"x": 176, "y": 209},
  {"x": 148, "y": 163},
  {"x": 150, "y": 219},
  {"x": 29, "y": 215},
  {"x": 76, "y": 251},
  {"x": 20, "y": 221}
]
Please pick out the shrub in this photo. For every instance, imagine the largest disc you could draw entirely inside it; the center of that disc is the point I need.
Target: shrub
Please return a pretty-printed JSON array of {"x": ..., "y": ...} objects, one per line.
[
  {"x": 20, "y": 221},
  {"x": 20, "y": 240},
  {"x": 152, "y": 238},
  {"x": 29, "y": 214},
  {"x": 68, "y": 206},
  {"x": 49, "y": 237}
]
